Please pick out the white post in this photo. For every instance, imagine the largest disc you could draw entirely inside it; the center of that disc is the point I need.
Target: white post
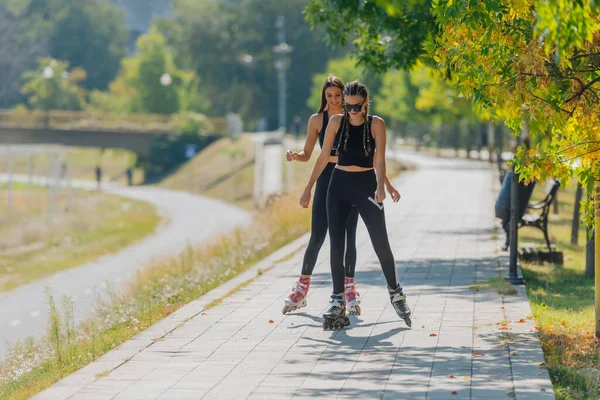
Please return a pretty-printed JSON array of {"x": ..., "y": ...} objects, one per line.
[
  {"x": 36, "y": 172},
  {"x": 258, "y": 173},
  {"x": 69, "y": 180},
  {"x": 29, "y": 177},
  {"x": 57, "y": 181},
  {"x": 9, "y": 187}
]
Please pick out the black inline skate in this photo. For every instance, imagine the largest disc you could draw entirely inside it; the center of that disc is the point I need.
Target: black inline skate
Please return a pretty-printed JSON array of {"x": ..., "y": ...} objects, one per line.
[
  {"x": 335, "y": 317},
  {"x": 398, "y": 299}
]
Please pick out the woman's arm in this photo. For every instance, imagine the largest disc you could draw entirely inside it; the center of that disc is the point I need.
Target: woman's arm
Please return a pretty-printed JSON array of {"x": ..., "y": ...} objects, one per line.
[
  {"x": 312, "y": 134},
  {"x": 392, "y": 190},
  {"x": 378, "y": 129},
  {"x": 330, "y": 133}
]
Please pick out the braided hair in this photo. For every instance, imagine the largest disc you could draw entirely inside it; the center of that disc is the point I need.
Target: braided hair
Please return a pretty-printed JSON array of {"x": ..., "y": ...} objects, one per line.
[{"x": 356, "y": 88}]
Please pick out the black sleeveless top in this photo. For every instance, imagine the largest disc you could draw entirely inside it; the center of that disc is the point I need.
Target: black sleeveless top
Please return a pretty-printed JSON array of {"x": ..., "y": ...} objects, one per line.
[
  {"x": 322, "y": 134},
  {"x": 357, "y": 145}
]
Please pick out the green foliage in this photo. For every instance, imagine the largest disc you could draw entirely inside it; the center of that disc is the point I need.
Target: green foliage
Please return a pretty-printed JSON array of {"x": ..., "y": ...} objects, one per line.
[
  {"x": 151, "y": 80},
  {"x": 213, "y": 37},
  {"x": 168, "y": 152},
  {"x": 53, "y": 87},
  {"x": 385, "y": 33},
  {"x": 90, "y": 34}
]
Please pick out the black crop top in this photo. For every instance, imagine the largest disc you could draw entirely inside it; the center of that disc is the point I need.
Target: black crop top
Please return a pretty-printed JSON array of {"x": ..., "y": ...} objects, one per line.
[
  {"x": 356, "y": 145},
  {"x": 322, "y": 134}
]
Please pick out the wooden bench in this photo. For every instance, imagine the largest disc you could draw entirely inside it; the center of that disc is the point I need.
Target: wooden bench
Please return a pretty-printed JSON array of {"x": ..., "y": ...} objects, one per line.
[{"x": 536, "y": 219}]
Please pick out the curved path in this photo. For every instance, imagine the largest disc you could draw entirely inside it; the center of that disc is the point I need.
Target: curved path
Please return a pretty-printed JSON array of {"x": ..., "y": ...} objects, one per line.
[
  {"x": 442, "y": 235},
  {"x": 190, "y": 219}
]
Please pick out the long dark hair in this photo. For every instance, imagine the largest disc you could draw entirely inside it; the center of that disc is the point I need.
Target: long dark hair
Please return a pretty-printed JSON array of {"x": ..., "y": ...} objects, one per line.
[
  {"x": 330, "y": 81},
  {"x": 356, "y": 88}
]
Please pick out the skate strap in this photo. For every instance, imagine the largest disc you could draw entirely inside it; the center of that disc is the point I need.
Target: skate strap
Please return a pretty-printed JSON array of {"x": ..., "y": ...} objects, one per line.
[
  {"x": 398, "y": 296},
  {"x": 300, "y": 288},
  {"x": 349, "y": 284}
]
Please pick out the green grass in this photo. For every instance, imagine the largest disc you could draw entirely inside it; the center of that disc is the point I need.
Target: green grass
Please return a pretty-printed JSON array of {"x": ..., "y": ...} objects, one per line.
[
  {"x": 562, "y": 300},
  {"x": 156, "y": 292},
  {"x": 34, "y": 244}
]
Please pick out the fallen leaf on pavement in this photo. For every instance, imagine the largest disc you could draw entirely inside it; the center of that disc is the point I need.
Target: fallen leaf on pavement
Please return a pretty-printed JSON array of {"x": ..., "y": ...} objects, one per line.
[
  {"x": 514, "y": 354},
  {"x": 454, "y": 393},
  {"x": 541, "y": 373},
  {"x": 271, "y": 321},
  {"x": 477, "y": 353},
  {"x": 465, "y": 378},
  {"x": 451, "y": 376},
  {"x": 432, "y": 334},
  {"x": 522, "y": 320}
]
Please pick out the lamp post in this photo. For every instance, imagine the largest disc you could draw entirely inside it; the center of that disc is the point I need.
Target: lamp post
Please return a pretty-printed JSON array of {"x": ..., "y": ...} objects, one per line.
[
  {"x": 165, "y": 79},
  {"x": 282, "y": 49},
  {"x": 47, "y": 74}
]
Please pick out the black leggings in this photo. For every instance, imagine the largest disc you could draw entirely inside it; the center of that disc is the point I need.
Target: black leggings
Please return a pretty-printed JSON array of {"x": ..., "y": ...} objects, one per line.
[
  {"x": 357, "y": 189},
  {"x": 319, "y": 228}
]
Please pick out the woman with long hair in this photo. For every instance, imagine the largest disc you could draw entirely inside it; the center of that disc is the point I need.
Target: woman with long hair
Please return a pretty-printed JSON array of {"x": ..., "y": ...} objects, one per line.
[
  {"x": 331, "y": 104},
  {"x": 357, "y": 182}
]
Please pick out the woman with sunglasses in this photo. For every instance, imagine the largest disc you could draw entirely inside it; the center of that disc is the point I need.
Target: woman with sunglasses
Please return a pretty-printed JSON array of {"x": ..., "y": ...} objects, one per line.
[
  {"x": 331, "y": 104},
  {"x": 356, "y": 181}
]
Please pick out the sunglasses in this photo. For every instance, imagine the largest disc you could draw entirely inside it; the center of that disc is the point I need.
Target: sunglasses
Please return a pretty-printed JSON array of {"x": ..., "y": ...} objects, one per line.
[{"x": 353, "y": 107}]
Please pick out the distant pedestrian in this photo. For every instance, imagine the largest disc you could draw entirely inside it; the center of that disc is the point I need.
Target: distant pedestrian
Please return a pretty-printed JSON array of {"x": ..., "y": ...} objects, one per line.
[
  {"x": 297, "y": 126},
  {"x": 129, "y": 173},
  {"x": 98, "y": 176}
]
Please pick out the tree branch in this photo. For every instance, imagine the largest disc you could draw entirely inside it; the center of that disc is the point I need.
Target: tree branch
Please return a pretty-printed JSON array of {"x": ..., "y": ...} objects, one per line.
[{"x": 583, "y": 89}]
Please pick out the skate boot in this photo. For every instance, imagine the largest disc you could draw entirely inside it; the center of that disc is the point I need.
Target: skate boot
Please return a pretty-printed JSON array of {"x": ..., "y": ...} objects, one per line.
[
  {"x": 398, "y": 299},
  {"x": 297, "y": 299},
  {"x": 335, "y": 317},
  {"x": 352, "y": 297}
]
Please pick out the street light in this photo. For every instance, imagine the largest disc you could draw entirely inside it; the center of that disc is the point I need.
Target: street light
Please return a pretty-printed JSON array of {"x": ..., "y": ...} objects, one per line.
[
  {"x": 282, "y": 49},
  {"x": 248, "y": 59},
  {"x": 165, "y": 79},
  {"x": 48, "y": 72}
]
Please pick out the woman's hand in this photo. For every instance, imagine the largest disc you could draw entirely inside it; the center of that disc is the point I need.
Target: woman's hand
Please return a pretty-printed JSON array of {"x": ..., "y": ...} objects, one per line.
[
  {"x": 305, "y": 198},
  {"x": 291, "y": 155},
  {"x": 380, "y": 194},
  {"x": 394, "y": 193}
]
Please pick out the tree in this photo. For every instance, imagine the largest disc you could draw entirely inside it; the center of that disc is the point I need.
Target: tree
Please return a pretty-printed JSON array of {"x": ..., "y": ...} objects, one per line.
[
  {"x": 230, "y": 46},
  {"x": 523, "y": 60},
  {"x": 93, "y": 35},
  {"x": 52, "y": 86},
  {"x": 385, "y": 33},
  {"x": 23, "y": 38},
  {"x": 151, "y": 80}
]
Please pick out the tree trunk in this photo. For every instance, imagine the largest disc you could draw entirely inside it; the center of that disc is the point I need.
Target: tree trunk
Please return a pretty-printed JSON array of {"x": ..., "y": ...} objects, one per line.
[
  {"x": 575, "y": 224},
  {"x": 589, "y": 255},
  {"x": 490, "y": 140},
  {"x": 556, "y": 205}
]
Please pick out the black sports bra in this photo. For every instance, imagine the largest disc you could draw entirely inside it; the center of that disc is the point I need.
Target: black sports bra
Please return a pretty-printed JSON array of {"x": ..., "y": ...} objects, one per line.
[
  {"x": 357, "y": 145},
  {"x": 322, "y": 134}
]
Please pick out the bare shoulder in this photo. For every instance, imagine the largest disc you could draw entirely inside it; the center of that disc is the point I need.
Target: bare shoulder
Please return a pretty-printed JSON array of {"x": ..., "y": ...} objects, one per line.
[
  {"x": 336, "y": 119},
  {"x": 316, "y": 118},
  {"x": 378, "y": 122}
]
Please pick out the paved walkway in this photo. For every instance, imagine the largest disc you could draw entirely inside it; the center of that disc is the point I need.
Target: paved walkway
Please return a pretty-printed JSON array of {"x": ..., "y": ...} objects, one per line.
[
  {"x": 188, "y": 218},
  {"x": 442, "y": 236}
]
